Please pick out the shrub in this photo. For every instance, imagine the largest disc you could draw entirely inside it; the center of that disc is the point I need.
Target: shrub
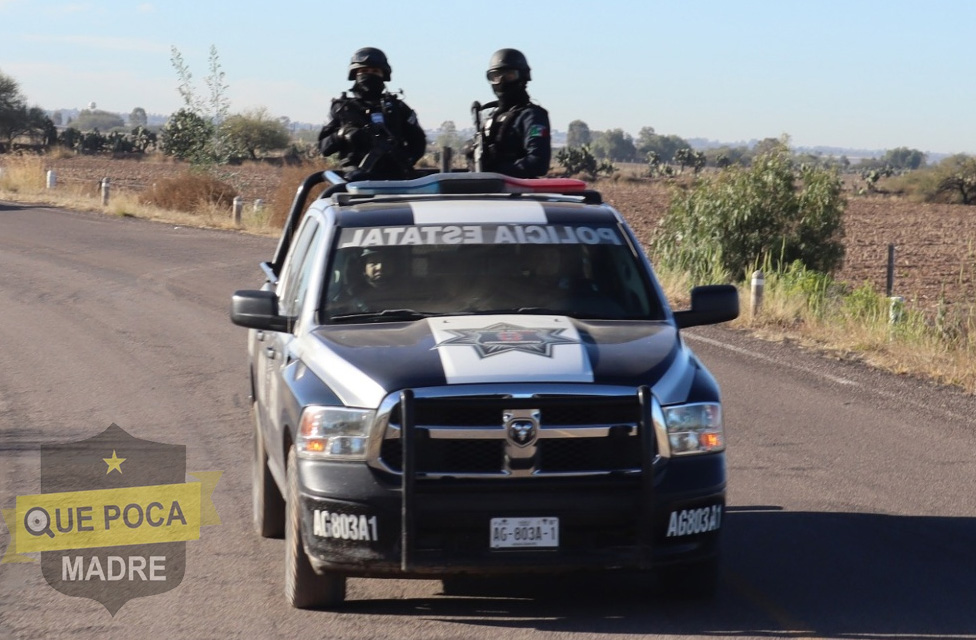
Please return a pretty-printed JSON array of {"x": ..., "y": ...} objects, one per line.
[
  {"x": 187, "y": 136},
  {"x": 22, "y": 173},
  {"x": 292, "y": 177},
  {"x": 952, "y": 181},
  {"x": 189, "y": 192},
  {"x": 577, "y": 161},
  {"x": 770, "y": 213}
]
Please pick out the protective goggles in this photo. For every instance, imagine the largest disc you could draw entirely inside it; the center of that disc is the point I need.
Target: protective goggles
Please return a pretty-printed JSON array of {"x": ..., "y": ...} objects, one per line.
[
  {"x": 499, "y": 76},
  {"x": 372, "y": 71}
]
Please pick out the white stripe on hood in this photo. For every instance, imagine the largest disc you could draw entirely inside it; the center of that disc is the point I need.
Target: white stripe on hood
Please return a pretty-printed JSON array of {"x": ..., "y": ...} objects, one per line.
[{"x": 559, "y": 355}]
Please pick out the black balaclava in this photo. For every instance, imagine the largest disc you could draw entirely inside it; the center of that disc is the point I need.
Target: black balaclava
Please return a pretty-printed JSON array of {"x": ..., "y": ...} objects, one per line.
[
  {"x": 369, "y": 86},
  {"x": 510, "y": 94}
]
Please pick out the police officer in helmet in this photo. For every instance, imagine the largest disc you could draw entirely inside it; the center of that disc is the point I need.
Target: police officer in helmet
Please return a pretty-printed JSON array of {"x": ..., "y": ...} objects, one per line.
[
  {"x": 515, "y": 138},
  {"x": 375, "y": 134}
]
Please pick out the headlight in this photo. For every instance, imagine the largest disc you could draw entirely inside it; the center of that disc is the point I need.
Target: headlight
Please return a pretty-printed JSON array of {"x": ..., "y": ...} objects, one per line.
[
  {"x": 334, "y": 433},
  {"x": 694, "y": 428}
]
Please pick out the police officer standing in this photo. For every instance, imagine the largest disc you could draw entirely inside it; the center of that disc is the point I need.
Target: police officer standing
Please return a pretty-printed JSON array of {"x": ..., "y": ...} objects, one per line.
[
  {"x": 515, "y": 138},
  {"x": 376, "y": 134}
]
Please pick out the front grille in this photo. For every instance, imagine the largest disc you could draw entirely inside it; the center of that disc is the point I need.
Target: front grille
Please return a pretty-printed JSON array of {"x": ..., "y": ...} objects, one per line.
[
  {"x": 466, "y": 436},
  {"x": 448, "y": 456},
  {"x": 480, "y": 412}
]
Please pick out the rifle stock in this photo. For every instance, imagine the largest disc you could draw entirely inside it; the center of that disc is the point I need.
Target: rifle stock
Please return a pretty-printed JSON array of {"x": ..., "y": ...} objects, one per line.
[{"x": 479, "y": 134}]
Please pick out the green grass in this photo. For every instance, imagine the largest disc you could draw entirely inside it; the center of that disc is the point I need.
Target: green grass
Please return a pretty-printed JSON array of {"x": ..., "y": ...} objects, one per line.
[{"x": 856, "y": 323}]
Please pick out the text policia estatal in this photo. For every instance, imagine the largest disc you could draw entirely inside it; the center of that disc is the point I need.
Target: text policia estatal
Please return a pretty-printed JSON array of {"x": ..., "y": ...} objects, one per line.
[{"x": 478, "y": 234}]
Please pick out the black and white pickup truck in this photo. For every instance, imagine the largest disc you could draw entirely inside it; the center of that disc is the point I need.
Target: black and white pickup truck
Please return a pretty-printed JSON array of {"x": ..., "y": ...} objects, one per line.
[{"x": 467, "y": 374}]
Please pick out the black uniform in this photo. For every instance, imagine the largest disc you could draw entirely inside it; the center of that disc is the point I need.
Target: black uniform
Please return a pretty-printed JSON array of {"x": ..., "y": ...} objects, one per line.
[
  {"x": 375, "y": 138},
  {"x": 517, "y": 140}
]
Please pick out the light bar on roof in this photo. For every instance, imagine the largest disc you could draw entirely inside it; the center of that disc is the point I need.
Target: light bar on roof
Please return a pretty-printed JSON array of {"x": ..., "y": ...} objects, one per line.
[{"x": 467, "y": 183}]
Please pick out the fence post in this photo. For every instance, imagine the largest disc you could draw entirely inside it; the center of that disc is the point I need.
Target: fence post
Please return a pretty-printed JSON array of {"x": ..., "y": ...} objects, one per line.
[
  {"x": 758, "y": 286},
  {"x": 890, "y": 286},
  {"x": 896, "y": 309},
  {"x": 447, "y": 159},
  {"x": 106, "y": 188},
  {"x": 52, "y": 179},
  {"x": 258, "y": 205},
  {"x": 237, "y": 209}
]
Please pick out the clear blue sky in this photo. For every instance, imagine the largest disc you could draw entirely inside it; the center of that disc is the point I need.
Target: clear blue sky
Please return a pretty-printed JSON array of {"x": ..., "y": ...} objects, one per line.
[{"x": 867, "y": 74}]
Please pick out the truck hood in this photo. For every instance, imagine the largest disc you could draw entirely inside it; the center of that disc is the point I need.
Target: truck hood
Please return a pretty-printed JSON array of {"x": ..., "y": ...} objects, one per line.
[{"x": 364, "y": 363}]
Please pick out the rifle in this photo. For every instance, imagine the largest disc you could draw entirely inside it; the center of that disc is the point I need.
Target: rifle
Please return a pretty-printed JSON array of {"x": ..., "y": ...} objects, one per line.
[
  {"x": 382, "y": 144},
  {"x": 479, "y": 135}
]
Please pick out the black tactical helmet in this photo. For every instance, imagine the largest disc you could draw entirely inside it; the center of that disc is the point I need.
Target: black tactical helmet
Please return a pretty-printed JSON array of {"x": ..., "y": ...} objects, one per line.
[
  {"x": 510, "y": 59},
  {"x": 369, "y": 57}
]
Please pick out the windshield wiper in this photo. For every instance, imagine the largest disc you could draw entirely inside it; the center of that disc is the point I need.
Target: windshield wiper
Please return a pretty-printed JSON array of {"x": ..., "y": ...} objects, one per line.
[
  {"x": 543, "y": 311},
  {"x": 385, "y": 314},
  {"x": 511, "y": 311}
]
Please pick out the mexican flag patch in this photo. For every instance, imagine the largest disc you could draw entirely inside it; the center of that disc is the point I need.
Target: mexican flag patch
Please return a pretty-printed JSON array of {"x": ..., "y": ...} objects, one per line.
[{"x": 538, "y": 131}]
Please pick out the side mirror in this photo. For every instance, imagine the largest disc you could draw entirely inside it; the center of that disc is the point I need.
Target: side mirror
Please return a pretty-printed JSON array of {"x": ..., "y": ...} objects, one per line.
[
  {"x": 258, "y": 310},
  {"x": 710, "y": 304}
]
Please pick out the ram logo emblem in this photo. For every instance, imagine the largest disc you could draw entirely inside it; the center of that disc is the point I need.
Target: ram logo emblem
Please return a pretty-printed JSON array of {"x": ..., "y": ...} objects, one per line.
[{"x": 522, "y": 427}]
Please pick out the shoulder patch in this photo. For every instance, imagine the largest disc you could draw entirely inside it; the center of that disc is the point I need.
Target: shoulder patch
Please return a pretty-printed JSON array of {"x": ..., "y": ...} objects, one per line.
[{"x": 538, "y": 131}]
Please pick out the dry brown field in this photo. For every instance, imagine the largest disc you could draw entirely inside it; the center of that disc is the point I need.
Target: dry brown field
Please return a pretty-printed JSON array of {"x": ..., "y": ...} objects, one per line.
[{"x": 935, "y": 245}]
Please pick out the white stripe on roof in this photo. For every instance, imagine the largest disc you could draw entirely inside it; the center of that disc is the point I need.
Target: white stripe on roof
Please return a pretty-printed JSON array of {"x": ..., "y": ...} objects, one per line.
[{"x": 468, "y": 211}]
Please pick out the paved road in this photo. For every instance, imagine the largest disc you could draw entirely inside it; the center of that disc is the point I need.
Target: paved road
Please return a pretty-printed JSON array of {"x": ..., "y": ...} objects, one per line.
[{"x": 852, "y": 510}]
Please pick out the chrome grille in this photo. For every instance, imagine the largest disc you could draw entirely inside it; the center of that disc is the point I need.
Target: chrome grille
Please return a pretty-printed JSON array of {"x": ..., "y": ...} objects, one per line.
[{"x": 466, "y": 436}]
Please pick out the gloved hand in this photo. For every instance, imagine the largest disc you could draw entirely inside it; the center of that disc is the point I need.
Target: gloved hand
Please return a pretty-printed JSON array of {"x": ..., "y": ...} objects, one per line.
[
  {"x": 354, "y": 136},
  {"x": 356, "y": 174}
]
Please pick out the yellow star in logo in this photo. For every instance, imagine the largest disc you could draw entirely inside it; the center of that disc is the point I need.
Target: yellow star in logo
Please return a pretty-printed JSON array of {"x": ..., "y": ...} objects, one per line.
[{"x": 114, "y": 463}]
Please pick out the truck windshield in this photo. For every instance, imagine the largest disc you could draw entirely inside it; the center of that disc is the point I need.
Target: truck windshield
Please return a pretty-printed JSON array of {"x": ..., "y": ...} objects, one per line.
[{"x": 396, "y": 273}]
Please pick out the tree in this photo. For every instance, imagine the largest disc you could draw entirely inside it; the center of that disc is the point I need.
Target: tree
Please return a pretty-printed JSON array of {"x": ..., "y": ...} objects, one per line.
[
  {"x": 449, "y": 137},
  {"x": 17, "y": 119},
  {"x": 254, "y": 131},
  {"x": 187, "y": 136},
  {"x": 578, "y": 134},
  {"x": 725, "y": 156},
  {"x": 10, "y": 97},
  {"x": 957, "y": 179},
  {"x": 664, "y": 146},
  {"x": 904, "y": 158},
  {"x": 12, "y": 110},
  {"x": 70, "y": 138},
  {"x": 770, "y": 212},
  {"x": 614, "y": 145},
  {"x": 90, "y": 119},
  {"x": 138, "y": 118},
  {"x": 212, "y": 111},
  {"x": 771, "y": 145}
]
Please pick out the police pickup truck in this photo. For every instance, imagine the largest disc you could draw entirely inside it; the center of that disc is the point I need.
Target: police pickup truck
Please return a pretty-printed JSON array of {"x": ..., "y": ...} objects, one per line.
[{"x": 466, "y": 374}]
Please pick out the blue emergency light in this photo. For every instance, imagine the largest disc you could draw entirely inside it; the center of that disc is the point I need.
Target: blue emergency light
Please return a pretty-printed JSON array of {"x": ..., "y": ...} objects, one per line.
[{"x": 467, "y": 183}]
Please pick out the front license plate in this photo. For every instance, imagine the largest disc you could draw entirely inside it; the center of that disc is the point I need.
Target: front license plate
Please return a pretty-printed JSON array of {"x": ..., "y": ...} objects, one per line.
[{"x": 521, "y": 533}]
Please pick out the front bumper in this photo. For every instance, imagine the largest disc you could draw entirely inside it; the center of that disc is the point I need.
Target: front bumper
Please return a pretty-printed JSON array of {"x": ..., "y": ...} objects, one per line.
[{"x": 353, "y": 520}]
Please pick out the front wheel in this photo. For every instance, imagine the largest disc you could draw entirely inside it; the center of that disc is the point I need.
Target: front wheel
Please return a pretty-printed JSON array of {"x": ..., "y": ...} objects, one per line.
[{"x": 304, "y": 588}]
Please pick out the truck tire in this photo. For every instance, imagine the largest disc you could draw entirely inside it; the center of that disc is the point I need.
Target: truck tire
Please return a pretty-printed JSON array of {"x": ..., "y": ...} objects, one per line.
[
  {"x": 268, "y": 505},
  {"x": 304, "y": 588}
]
